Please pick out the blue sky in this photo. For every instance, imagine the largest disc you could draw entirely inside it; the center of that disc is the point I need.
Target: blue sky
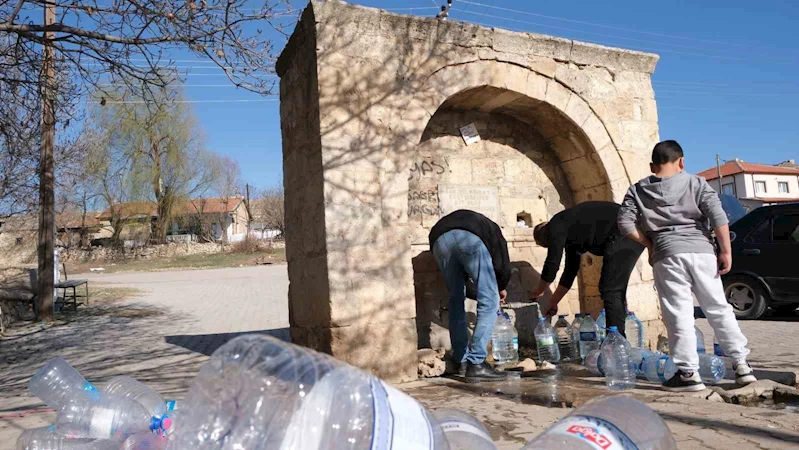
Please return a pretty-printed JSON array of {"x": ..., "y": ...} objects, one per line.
[{"x": 725, "y": 83}]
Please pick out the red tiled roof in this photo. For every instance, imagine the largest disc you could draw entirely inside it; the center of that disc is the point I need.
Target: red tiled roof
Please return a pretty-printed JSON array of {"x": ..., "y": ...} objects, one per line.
[
  {"x": 200, "y": 205},
  {"x": 733, "y": 167},
  {"x": 773, "y": 199},
  {"x": 74, "y": 219}
]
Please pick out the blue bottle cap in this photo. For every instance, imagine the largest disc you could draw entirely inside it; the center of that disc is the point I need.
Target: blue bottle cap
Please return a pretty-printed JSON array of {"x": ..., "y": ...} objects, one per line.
[
  {"x": 560, "y": 316},
  {"x": 613, "y": 329}
]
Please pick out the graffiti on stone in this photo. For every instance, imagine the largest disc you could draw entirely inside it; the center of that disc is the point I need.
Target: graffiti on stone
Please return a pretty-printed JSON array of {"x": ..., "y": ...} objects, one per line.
[{"x": 428, "y": 167}]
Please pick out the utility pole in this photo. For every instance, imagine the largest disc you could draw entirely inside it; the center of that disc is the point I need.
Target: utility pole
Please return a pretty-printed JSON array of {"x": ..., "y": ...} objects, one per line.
[
  {"x": 718, "y": 170},
  {"x": 46, "y": 248}
]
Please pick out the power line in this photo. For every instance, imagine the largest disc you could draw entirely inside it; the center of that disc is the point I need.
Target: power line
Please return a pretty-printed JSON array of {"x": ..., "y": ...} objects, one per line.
[{"x": 611, "y": 27}]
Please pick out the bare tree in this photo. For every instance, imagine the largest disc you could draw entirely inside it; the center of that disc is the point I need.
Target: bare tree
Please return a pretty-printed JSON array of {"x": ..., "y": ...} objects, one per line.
[{"x": 269, "y": 208}]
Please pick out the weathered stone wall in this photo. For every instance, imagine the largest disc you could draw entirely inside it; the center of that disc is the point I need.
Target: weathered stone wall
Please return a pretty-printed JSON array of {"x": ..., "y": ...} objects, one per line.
[
  {"x": 103, "y": 254},
  {"x": 359, "y": 87}
]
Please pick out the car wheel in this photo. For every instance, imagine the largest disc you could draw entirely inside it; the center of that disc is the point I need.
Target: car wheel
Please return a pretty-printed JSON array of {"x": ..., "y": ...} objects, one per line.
[{"x": 746, "y": 296}]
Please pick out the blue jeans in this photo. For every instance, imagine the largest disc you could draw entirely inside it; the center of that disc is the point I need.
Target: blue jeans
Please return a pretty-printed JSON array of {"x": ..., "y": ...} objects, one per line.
[{"x": 460, "y": 253}]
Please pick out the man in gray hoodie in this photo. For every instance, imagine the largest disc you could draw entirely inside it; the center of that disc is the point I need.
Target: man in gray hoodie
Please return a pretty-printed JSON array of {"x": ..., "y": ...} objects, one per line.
[{"x": 669, "y": 214}]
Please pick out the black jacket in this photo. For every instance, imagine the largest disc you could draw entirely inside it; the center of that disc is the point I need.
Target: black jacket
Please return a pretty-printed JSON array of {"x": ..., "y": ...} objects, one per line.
[
  {"x": 587, "y": 227},
  {"x": 488, "y": 232}
]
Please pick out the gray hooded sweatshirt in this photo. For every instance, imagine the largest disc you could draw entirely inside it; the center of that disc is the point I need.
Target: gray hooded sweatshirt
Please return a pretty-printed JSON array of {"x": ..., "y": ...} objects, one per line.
[{"x": 674, "y": 213}]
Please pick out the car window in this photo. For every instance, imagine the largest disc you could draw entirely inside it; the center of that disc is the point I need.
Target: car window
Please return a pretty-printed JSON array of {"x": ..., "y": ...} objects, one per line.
[
  {"x": 761, "y": 234},
  {"x": 786, "y": 229}
]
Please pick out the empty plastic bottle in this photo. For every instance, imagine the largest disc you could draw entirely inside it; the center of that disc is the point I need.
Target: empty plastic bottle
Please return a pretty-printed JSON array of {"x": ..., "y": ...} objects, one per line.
[
  {"x": 619, "y": 369},
  {"x": 142, "y": 394},
  {"x": 634, "y": 329},
  {"x": 257, "y": 392},
  {"x": 147, "y": 441},
  {"x": 463, "y": 431},
  {"x": 45, "y": 439},
  {"x": 700, "y": 341},
  {"x": 109, "y": 417},
  {"x": 638, "y": 356},
  {"x": 504, "y": 340},
  {"x": 601, "y": 323},
  {"x": 57, "y": 384},
  {"x": 546, "y": 341},
  {"x": 615, "y": 422},
  {"x": 717, "y": 350},
  {"x": 593, "y": 362},
  {"x": 575, "y": 334},
  {"x": 564, "y": 333},
  {"x": 661, "y": 368},
  {"x": 589, "y": 336}
]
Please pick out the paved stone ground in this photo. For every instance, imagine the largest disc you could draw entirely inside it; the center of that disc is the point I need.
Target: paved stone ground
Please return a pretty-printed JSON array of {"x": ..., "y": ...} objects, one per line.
[{"x": 162, "y": 336}]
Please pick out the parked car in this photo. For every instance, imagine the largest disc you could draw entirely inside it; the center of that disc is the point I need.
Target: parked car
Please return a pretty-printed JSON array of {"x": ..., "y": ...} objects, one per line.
[{"x": 765, "y": 273}]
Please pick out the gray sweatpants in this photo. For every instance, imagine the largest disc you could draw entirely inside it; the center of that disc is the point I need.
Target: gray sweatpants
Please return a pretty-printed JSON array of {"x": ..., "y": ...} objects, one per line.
[{"x": 676, "y": 277}]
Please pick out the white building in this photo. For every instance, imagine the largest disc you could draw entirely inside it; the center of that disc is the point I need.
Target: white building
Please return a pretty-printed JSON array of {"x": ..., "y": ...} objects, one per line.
[{"x": 755, "y": 185}]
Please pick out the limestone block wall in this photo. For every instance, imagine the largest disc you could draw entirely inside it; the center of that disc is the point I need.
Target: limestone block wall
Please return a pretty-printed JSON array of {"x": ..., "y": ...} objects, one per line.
[{"x": 360, "y": 87}]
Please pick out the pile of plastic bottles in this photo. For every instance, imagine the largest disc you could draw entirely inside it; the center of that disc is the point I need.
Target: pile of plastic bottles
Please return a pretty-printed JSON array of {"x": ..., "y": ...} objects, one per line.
[
  {"x": 260, "y": 393},
  {"x": 124, "y": 414}
]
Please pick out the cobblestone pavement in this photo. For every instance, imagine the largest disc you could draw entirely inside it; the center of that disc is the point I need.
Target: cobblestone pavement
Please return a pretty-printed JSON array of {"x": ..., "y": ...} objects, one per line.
[{"x": 163, "y": 335}]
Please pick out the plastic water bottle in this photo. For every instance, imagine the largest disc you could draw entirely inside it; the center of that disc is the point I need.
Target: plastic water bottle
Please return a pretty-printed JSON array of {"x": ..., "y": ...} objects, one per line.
[
  {"x": 147, "y": 441},
  {"x": 564, "y": 333},
  {"x": 700, "y": 341},
  {"x": 57, "y": 384},
  {"x": 614, "y": 422},
  {"x": 463, "y": 431},
  {"x": 634, "y": 329},
  {"x": 601, "y": 323},
  {"x": 589, "y": 336},
  {"x": 717, "y": 350},
  {"x": 575, "y": 332},
  {"x": 546, "y": 341},
  {"x": 45, "y": 439},
  {"x": 593, "y": 362},
  {"x": 138, "y": 392},
  {"x": 257, "y": 392},
  {"x": 619, "y": 369},
  {"x": 504, "y": 340},
  {"x": 661, "y": 368},
  {"x": 638, "y": 356},
  {"x": 109, "y": 417}
]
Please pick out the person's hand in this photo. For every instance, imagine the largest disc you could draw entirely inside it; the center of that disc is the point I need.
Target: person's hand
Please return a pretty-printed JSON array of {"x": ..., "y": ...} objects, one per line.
[
  {"x": 552, "y": 311},
  {"x": 651, "y": 252},
  {"x": 503, "y": 295},
  {"x": 536, "y": 293},
  {"x": 725, "y": 263}
]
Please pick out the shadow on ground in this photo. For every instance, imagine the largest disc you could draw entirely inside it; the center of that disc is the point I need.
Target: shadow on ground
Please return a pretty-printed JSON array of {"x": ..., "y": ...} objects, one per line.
[{"x": 206, "y": 344}]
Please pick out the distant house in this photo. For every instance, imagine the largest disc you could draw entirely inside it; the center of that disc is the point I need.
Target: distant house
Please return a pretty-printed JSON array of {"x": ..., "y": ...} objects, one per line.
[
  {"x": 18, "y": 240},
  {"x": 70, "y": 226},
  {"x": 755, "y": 185},
  {"x": 215, "y": 219}
]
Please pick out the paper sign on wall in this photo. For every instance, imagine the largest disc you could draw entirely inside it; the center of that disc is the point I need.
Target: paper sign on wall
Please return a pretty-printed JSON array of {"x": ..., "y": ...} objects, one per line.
[{"x": 470, "y": 134}]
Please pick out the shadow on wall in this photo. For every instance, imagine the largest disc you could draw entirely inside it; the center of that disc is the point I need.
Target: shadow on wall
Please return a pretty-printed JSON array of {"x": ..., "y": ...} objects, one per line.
[{"x": 432, "y": 298}]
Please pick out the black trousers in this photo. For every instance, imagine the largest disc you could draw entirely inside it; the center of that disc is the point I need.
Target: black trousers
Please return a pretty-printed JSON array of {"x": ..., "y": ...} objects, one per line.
[{"x": 621, "y": 255}]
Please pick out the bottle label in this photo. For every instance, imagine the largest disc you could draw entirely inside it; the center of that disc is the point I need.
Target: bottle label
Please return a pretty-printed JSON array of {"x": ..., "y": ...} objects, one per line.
[
  {"x": 461, "y": 427},
  {"x": 717, "y": 350},
  {"x": 399, "y": 421},
  {"x": 546, "y": 341},
  {"x": 588, "y": 335},
  {"x": 171, "y": 405},
  {"x": 597, "y": 433},
  {"x": 102, "y": 423},
  {"x": 661, "y": 367},
  {"x": 515, "y": 343}
]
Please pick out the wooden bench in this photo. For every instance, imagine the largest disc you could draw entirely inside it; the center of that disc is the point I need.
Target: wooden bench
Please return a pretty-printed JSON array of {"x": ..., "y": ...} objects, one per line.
[{"x": 71, "y": 298}]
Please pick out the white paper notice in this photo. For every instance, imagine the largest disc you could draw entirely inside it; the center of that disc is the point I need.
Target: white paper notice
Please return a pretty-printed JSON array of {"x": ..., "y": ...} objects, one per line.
[{"x": 470, "y": 134}]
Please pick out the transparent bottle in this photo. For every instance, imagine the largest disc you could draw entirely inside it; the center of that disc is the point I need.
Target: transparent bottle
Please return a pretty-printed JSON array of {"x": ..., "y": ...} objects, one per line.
[
  {"x": 589, "y": 336},
  {"x": 661, "y": 368},
  {"x": 514, "y": 350},
  {"x": 563, "y": 331},
  {"x": 601, "y": 323},
  {"x": 463, "y": 431},
  {"x": 575, "y": 331},
  {"x": 717, "y": 350},
  {"x": 502, "y": 340},
  {"x": 634, "y": 329},
  {"x": 109, "y": 417},
  {"x": 140, "y": 393},
  {"x": 700, "y": 341},
  {"x": 546, "y": 341},
  {"x": 57, "y": 384},
  {"x": 619, "y": 370},
  {"x": 593, "y": 362},
  {"x": 257, "y": 392},
  {"x": 612, "y": 422},
  {"x": 147, "y": 441},
  {"x": 45, "y": 439},
  {"x": 638, "y": 356}
]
